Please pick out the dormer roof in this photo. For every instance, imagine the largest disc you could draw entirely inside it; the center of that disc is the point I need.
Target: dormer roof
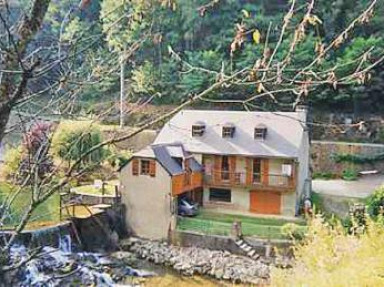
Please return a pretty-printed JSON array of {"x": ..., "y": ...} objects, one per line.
[{"x": 285, "y": 133}]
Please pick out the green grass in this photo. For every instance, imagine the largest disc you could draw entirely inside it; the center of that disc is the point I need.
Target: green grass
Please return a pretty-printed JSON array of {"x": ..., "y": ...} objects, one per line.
[
  {"x": 46, "y": 212},
  {"x": 108, "y": 189},
  {"x": 221, "y": 224},
  {"x": 317, "y": 202}
]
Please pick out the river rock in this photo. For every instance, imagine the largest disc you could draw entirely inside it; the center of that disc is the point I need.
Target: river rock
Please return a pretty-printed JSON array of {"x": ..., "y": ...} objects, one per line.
[{"x": 192, "y": 260}]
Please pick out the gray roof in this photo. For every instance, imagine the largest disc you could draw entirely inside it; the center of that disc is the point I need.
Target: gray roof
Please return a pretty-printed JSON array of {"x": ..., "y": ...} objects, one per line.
[
  {"x": 165, "y": 154},
  {"x": 284, "y": 136},
  {"x": 145, "y": 152}
]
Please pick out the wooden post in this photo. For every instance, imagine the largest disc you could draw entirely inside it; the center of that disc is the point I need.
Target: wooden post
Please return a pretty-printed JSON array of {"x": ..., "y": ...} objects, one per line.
[
  {"x": 117, "y": 199},
  {"x": 102, "y": 192},
  {"x": 237, "y": 230}
]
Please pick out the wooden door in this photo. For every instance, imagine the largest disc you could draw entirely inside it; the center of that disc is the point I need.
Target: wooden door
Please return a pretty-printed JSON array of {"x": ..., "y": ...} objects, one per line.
[{"x": 265, "y": 202}]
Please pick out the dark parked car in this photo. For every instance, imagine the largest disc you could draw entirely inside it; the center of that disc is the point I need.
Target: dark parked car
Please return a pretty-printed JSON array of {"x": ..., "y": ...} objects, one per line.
[{"x": 186, "y": 207}]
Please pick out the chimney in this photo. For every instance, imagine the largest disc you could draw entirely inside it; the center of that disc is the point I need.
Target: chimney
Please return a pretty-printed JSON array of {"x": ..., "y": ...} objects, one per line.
[{"x": 303, "y": 111}]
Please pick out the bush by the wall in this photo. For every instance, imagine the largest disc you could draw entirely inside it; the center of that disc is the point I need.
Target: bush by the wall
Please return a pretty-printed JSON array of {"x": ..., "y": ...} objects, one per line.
[
  {"x": 31, "y": 156},
  {"x": 292, "y": 231},
  {"x": 358, "y": 158},
  {"x": 376, "y": 202},
  {"x": 349, "y": 174},
  {"x": 72, "y": 140},
  {"x": 12, "y": 160}
]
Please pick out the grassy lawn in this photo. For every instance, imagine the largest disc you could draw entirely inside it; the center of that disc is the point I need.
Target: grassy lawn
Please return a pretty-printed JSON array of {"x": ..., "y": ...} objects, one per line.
[
  {"x": 109, "y": 189},
  {"x": 334, "y": 205},
  {"x": 46, "y": 213},
  {"x": 221, "y": 224}
]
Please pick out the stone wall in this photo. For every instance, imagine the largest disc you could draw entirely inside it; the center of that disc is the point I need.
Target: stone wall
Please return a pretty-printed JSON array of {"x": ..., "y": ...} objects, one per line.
[
  {"x": 347, "y": 127},
  {"x": 101, "y": 231},
  {"x": 226, "y": 243},
  {"x": 322, "y": 156}
]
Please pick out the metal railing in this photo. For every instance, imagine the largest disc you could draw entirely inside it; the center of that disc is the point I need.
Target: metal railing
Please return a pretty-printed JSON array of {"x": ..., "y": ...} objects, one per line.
[{"x": 255, "y": 179}]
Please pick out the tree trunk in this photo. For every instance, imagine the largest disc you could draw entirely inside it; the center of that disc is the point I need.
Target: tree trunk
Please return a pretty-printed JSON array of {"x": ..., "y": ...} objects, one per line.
[{"x": 4, "y": 117}]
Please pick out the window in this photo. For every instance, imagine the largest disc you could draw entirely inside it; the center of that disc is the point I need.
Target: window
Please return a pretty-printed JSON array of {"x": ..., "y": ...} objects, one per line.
[
  {"x": 228, "y": 132},
  {"x": 144, "y": 167},
  {"x": 224, "y": 168},
  {"x": 260, "y": 133},
  {"x": 220, "y": 195},
  {"x": 286, "y": 169},
  {"x": 256, "y": 170},
  {"x": 179, "y": 161},
  {"x": 198, "y": 130}
]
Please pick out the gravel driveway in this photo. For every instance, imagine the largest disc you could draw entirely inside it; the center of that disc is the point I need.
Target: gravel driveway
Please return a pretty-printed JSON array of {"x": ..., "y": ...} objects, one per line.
[{"x": 361, "y": 188}]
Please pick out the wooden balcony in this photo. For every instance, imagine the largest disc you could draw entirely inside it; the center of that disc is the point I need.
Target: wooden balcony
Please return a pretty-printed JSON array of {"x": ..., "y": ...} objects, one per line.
[
  {"x": 256, "y": 180},
  {"x": 186, "y": 182}
]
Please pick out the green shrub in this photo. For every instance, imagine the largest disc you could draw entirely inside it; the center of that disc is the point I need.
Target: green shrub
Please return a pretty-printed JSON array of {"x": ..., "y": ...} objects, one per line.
[
  {"x": 292, "y": 231},
  {"x": 73, "y": 139},
  {"x": 381, "y": 135},
  {"x": 376, "y": 201},
  {"x": 118, "y": 158},
  {"x": 349, "y": 174},
  {"x": 12, "y": 160},
  {"x": 317, "y": 202}
]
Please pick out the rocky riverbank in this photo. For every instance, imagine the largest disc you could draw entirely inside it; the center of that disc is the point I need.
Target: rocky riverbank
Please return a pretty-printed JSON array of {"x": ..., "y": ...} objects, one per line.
[
  {"x": 196, "y": 261},
  {"x": 55, "y": 267}
]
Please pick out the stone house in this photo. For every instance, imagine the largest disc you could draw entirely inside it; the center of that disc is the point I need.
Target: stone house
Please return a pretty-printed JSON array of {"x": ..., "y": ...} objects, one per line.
[{"x": 254, "y": 162}]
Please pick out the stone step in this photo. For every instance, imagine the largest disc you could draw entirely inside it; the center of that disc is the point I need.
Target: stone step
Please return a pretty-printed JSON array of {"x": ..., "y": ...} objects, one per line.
[
  {"x": 248, "y": 248},
  {"x": 256, "y": 256},
  {"x": 251, "y": 253},
  {"x": 243, "y": 246}
]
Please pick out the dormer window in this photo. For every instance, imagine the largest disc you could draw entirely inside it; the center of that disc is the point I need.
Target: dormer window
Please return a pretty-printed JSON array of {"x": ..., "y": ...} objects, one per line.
[
  {"x": 198, "y": 129},
  {"x": 228, "y": 131},
  {"x": 179, "y": 161},
  {"x": 260, "y": 132}
]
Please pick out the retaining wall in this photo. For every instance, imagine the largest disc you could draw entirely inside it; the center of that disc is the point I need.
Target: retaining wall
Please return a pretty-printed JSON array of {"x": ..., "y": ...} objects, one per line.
[
  {"x": 322, "y": 153},
  {"x": 216, "y": 242}
]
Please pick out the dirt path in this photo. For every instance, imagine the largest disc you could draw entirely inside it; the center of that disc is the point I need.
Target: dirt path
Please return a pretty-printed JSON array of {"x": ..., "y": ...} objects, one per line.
[{"x": 360, "y": 188}]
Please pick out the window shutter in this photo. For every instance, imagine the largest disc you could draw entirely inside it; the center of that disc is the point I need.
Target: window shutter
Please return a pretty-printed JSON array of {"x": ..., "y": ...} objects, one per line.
[
  {"x": 232, "y": 168},
  {"x": 217, "y": 169},
  {"x": 265, "y": 172},
  {"x": 152, "y": 168},
  {"x": 135, "y": 167},
  {"x": 249, "y": 171}
]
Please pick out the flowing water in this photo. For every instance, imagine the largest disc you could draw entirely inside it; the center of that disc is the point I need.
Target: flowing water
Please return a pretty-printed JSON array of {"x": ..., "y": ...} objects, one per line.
[
  {"x": 63, "y": 266},
  {"x": 58, "y": 265}
]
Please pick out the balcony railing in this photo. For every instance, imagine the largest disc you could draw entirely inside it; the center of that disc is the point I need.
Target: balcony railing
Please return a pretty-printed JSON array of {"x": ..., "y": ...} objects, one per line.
[{"x": 243, "y": 179}]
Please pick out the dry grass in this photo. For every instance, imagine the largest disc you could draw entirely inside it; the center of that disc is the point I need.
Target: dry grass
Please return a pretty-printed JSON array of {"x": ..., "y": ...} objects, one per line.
[{"x": 329, "y": 257}]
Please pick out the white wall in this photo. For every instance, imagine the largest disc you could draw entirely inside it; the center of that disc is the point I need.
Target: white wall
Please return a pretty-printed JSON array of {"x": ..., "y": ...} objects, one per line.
[
  {"x": 198, "y": 157},
  {"x": 148, "y": 202},
  {"x": 288, "y": 204},
  {"x": 239, "y": 199}
]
